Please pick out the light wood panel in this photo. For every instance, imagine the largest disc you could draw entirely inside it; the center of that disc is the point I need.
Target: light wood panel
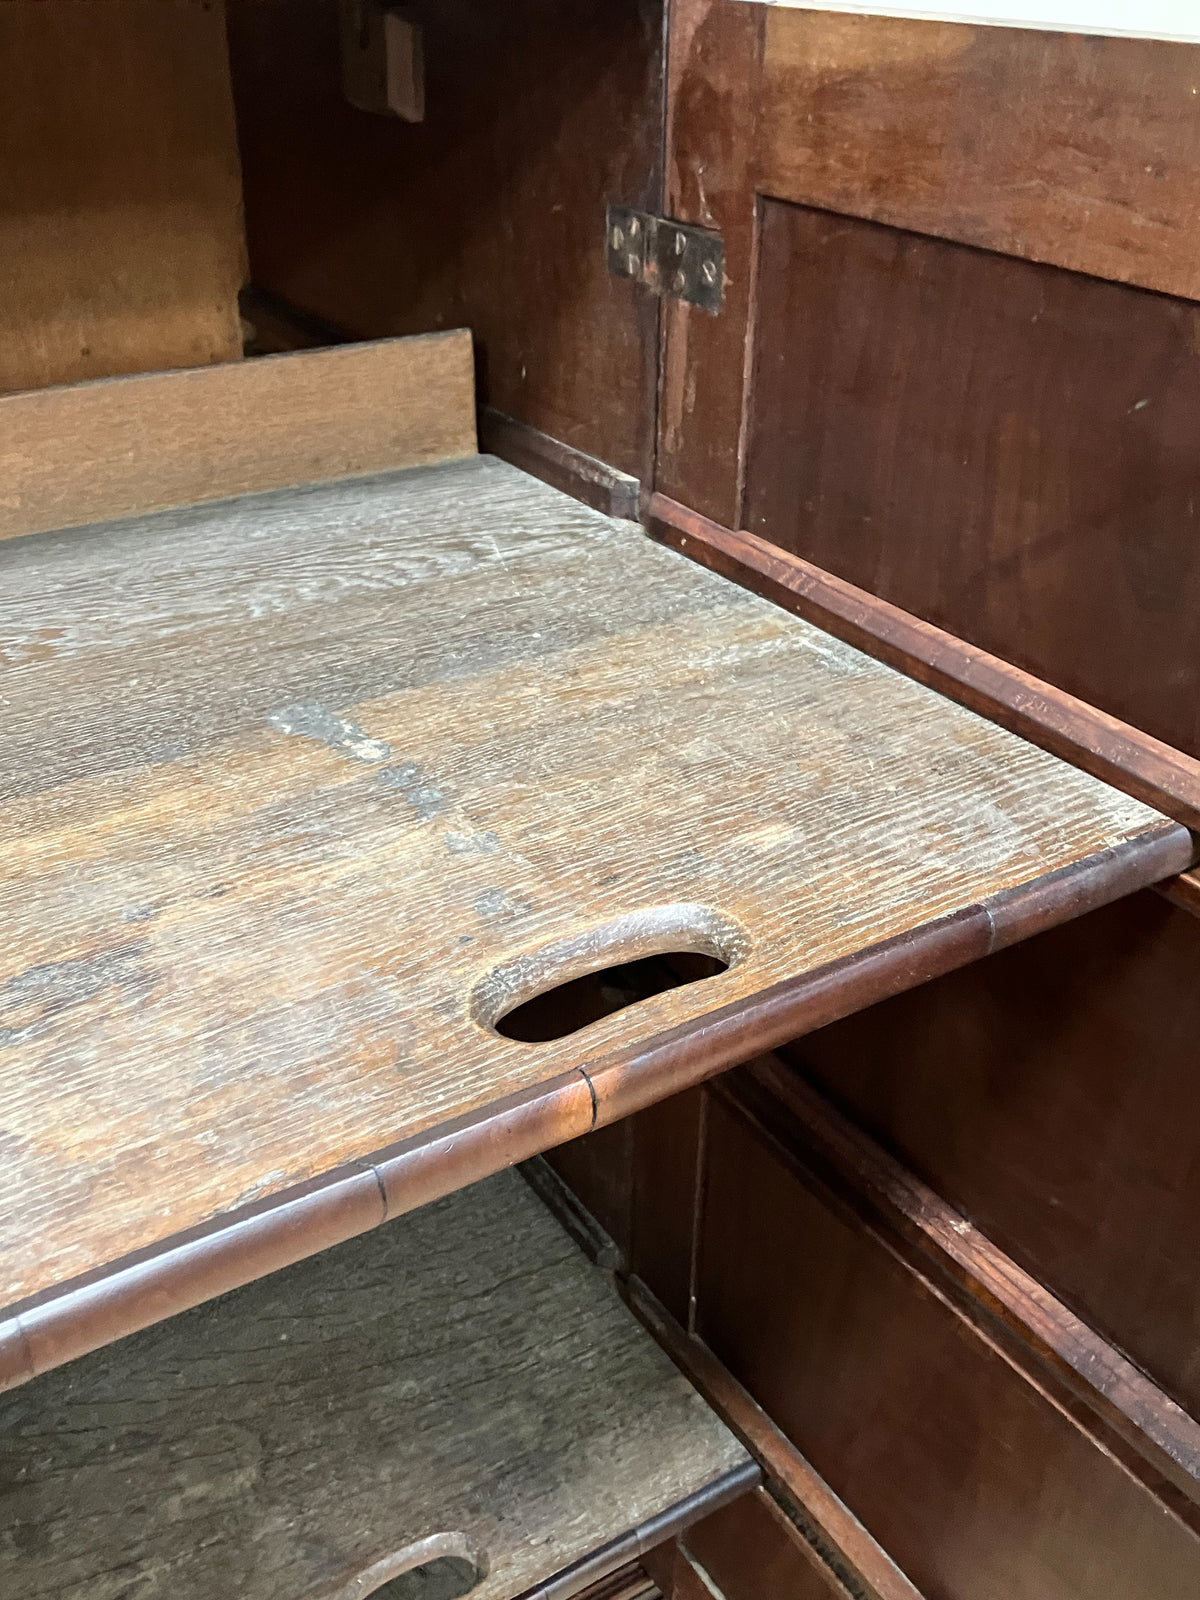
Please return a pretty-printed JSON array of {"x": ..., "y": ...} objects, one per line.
[
  {"x": 1080, "y": 151},
  {"x": 459, "y": 1385},
  {"x": 121, "y": 241},
  {"x": 132, "y": 445},
  {"x": 303, "y": 791}
]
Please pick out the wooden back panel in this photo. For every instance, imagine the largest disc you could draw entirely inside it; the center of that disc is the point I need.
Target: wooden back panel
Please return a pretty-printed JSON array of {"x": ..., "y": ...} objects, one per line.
[
  {"x": 121, "y": 240},
  {"x": 1005, "y": 449},
  {"x": 490, "y": 213},
  {"x": 134, "y": 445},
  {"x": 1077, "y": 150}
]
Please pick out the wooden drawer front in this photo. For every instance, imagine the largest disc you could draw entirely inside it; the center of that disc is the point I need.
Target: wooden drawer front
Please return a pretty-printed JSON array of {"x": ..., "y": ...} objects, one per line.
[{"x": 973, "y": 1479}]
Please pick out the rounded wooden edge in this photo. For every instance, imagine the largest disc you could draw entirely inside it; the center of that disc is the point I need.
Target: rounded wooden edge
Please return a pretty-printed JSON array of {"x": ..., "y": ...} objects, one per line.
[
  {"x": 124, "y": 1296},
  {"x": 707, "y": 1045},
  {"x": 184, "y": 1270},
  {"x": 1051, "y": 718}
]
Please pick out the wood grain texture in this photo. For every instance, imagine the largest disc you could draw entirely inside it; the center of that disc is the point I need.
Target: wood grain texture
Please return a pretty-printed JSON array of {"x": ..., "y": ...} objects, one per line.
[
  {"x": 490, "y": 214},
  {"x": 1004, "y": 449},
  {"x": 1101, "y": 744},
  {"x": 121, "y": 241},
  {"x": 1088, "y": 159},
  {"x": 133, "y": 445},
  {"x": 961, "y": 1466},
  {"x": 304, "y": 790},
  {"x": 1049, "y": 1095},
  {"x": 463, "y": 1372}
]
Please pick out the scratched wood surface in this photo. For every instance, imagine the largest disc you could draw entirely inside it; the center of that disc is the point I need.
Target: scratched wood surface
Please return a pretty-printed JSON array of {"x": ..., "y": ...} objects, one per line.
[
  {"x": 302, "y": 790},
  {"x": 460, "y": 1384}
]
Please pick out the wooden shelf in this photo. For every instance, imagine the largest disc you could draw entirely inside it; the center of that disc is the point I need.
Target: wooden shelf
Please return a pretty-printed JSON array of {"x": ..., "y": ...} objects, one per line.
[
  {"x": 302, "y": 790},
  {"x": 460, "y": 1386}
]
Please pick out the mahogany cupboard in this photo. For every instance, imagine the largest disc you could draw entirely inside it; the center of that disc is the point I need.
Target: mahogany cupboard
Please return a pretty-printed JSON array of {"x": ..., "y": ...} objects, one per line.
[{"x": 796, "y": 885}]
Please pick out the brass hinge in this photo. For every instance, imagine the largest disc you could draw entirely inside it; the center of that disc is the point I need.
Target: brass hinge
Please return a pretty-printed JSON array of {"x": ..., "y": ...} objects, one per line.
[{"x": 674, "y": 259}]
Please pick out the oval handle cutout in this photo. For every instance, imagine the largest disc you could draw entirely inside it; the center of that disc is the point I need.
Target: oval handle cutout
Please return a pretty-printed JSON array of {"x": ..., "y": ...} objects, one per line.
[
  {"x": 443, "y": 1578},
  {"x": 554, "y": 992},
  {"x": 443, "y": 1566}
]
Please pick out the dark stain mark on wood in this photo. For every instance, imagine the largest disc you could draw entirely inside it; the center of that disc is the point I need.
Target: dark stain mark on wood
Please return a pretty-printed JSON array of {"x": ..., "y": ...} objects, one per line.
[
  {"x": 33, "y": 998},
  {"x": 426, "y": 799},
  {"x": 309, "y": 719}
]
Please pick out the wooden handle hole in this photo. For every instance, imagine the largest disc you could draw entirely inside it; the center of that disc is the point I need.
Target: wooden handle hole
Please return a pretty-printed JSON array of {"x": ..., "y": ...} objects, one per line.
[
  {"x": 442, "y": 1566},
  {"x": 443, "y": 1578},
  {"x": 564, "y": 987}
]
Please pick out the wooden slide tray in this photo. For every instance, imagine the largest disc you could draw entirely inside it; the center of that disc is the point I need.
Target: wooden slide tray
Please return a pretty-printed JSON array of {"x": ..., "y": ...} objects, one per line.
[
  {"x": 303, "y": 790},
  {"x": 462, "y": 1386}
]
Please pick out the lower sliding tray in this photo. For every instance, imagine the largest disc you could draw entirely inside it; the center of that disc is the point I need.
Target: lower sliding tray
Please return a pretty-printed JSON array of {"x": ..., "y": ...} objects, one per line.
[{"x": 458, "y": 1402}]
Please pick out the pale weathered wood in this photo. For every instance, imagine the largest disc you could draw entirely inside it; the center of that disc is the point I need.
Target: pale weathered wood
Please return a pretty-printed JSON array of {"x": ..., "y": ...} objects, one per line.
[
  {"x": 133, "y": 445},
  {"x": 121, "y": 242},
  {"x": 462, "y": 1372},
  {"x": 302, "y": 790}
]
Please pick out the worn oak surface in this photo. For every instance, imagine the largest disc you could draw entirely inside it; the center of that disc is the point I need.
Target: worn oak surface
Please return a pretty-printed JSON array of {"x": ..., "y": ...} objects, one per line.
[
  {"x": 301, "y": 791},
  {"x": 463, "y": 1372},
  {"x": 121, "y": 240},
  {"x": 133, "y": 445}
]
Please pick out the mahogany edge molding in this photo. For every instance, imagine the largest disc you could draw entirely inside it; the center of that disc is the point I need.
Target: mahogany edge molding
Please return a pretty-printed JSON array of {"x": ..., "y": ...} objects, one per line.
[
  {"x": 120, "y": 1297},
  {"x": 1141, "y": 765},
  {"x": 611, "y": 1558}
]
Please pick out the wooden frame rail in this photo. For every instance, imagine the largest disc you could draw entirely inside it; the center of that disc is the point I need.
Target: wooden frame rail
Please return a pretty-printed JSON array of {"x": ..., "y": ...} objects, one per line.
[{"x": 1056, "y": 721}]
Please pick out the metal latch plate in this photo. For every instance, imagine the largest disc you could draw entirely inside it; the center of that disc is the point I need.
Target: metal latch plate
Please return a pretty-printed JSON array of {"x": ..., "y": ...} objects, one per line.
[{"x": 674, "y": 259}]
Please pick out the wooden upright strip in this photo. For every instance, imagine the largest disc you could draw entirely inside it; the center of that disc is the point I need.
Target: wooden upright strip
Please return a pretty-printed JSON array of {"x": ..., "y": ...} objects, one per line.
[
  {"x": 1102, "y": 745},
  {"x": 1040, "y": 1333},
  {"x": 1184, "y": 892},
  {"x": 835, "y": 1532},
  {"x": 126, "y": 446}
]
